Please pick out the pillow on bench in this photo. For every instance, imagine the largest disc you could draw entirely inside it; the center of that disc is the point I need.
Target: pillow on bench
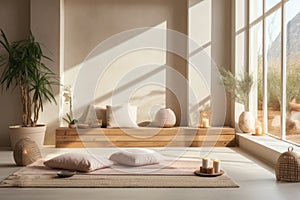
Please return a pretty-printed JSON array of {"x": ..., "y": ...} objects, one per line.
[
  {"x": 121, "y": 116},
  {"x": 124, "y": 116}
]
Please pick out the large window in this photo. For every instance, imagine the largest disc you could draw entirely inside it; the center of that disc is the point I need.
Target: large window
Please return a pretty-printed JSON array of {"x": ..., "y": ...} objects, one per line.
[{"x": 271, "y": 47}]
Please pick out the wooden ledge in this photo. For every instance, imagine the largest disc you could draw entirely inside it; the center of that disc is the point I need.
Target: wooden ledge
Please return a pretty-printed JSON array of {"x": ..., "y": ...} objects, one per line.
[{"x": 145, "y": 137}]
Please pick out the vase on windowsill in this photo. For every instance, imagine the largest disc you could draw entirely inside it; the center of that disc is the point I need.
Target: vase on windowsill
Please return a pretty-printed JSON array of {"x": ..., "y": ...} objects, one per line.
[
  {"x": 240, "y": 87},
  {"x": 246, "y": 122}
]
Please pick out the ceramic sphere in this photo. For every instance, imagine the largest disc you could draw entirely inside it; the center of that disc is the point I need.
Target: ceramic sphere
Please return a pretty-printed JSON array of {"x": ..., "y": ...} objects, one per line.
[{"x": 165, "y": 118}]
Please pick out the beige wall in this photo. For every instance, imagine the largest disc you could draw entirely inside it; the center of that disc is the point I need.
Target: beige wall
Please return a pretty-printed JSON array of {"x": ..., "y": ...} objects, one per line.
[
  {"x": 221, "y": 47},
  {"x": 89, "y": 22},
  {"x": 213, "y": 39},
  {"x": 14, "y": 20},
  {"x": 45, "y": 25},
  {"x": 200, "y": 15}
]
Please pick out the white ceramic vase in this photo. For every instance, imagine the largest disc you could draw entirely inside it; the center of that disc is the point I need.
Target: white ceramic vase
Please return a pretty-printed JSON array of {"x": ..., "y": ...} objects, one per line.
[
  {"x": 247, "y": 122},
  {"x": 165, "y": 117},
  {"x": 36, "y": 134}
]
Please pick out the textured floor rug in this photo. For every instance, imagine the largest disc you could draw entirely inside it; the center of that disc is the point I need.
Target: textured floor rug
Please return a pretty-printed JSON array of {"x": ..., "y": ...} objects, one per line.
[{"x": 177, "y": 174}]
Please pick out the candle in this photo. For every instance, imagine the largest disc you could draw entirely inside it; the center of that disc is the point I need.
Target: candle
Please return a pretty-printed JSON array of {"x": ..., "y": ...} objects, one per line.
[
  {"x": 216, "y": 165},
  {"x": 205, "y": 162},
  {"x": 202, "y": 170},
  {"x": 205, "y": 123},
  {"x": 258, "y": 130},
  {"x": 210, "y": 170}
]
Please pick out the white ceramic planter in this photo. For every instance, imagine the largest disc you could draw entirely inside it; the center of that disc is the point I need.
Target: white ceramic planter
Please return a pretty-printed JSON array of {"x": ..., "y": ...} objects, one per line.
[
  {"x": 247, "y": 122},
  {"x": 36, "y": 134}
]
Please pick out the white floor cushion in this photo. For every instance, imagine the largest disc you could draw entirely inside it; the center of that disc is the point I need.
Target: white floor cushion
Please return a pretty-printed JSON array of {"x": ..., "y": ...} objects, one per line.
[{"x": 136, "y": 157}]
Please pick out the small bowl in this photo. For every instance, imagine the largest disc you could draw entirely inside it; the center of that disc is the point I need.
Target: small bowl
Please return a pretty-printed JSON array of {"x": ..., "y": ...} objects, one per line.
[{"x": 65, "y": 174}]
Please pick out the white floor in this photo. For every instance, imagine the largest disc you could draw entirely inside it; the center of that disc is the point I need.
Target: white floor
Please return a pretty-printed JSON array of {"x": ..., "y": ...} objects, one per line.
[{"x": 256, "y": 180}]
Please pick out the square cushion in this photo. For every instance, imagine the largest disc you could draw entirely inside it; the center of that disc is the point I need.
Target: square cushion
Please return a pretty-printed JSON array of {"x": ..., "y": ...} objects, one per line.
[
  {"x": 78, "y": 162},
  {"x": 121, "y": 116},
  {"x": 136, "y": 157},
  {"x": 92, "y": 114}
]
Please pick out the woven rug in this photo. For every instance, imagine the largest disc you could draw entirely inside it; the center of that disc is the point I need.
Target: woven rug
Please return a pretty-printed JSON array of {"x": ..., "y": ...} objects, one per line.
[{"x": 177, "y": 174}]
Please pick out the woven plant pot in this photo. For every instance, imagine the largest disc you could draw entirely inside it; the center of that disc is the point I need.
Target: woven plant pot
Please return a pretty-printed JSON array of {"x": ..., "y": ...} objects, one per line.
[
  {"x": 288, "y": 166},
  {"x": 26, "y": 152}
]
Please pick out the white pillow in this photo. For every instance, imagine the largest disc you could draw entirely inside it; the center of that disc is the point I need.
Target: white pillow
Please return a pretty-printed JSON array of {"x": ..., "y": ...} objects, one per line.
[
  {"x": 78, "y": 162},
  {"x": 136, "y": 157},
  {"x": 89, "y": 115},
  {"x": 121, "y": 116}
]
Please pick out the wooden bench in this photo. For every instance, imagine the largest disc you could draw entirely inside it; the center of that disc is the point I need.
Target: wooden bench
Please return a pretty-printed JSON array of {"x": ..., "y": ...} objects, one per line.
[{"x": 145, "y": 137}]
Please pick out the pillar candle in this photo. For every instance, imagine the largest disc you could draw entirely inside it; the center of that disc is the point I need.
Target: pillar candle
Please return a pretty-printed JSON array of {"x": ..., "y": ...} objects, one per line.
[
  {"x": 210, "y": 170},
  {"x": 258, "y": 130},
  {"x": 205, "y": 162},
  {"x": 216, "y": 165},
  {"x": 205, "y": 123}
]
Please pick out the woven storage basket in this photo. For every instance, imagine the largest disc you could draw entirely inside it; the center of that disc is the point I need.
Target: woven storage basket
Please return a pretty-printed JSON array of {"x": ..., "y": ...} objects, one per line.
[
  {"x": 288, "y": 166},
  {"x": 26, "y": 152}
]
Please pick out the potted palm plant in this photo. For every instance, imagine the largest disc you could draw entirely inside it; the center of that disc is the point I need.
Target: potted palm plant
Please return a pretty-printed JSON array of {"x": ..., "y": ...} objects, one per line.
[
  {"x": 239, "y": 88},
  {"x": 23, "y": 68}
]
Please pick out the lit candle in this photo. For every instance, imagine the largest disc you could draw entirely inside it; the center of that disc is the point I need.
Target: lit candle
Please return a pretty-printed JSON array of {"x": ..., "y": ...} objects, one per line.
[
  {"x": 216, "y": 165},
  {"x": 205, "y": 162},
  {"x": 258, "y": 130},
  {"x": 205, "y": 123}
]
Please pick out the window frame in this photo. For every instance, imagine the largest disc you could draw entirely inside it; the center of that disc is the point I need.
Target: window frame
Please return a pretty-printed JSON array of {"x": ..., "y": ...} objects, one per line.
[{"x": 261, "y": 18}]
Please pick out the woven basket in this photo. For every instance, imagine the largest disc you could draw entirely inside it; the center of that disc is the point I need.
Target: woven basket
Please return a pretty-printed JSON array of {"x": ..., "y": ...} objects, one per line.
[
  {"x": 26, "y": 152},
  {"x": 288, "y": 166}
]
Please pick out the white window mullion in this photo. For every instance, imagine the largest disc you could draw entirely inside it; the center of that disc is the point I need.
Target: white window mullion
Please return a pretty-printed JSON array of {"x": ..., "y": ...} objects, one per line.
[
  {"x": 247, "y": 45},
  {"x": 265, "y": 72},
  {"x": 283, "y": 72},
  {"x": 247, "y": 33}
]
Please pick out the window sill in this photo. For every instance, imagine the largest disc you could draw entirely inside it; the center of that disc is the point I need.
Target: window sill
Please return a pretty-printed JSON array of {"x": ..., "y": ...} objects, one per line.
[{"x": 265, "y": 147}]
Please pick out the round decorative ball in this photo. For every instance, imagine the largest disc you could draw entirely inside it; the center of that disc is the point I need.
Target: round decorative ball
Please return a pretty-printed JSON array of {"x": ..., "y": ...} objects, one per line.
[
  {"x": 165, "y": 117},
  {"x": 26, "y": 152}
]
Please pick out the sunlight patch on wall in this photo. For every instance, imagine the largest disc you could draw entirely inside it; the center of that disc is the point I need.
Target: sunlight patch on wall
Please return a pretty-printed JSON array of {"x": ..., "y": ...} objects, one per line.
[
  {"x": 200, "y": 22},
  {"x": 124, "y": 72}
]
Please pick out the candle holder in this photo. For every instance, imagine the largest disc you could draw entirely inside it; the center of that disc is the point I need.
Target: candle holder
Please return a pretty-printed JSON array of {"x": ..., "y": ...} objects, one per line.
[
  {"x": 209, "y": 169},
  {"x": 205, "y": 119}
]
